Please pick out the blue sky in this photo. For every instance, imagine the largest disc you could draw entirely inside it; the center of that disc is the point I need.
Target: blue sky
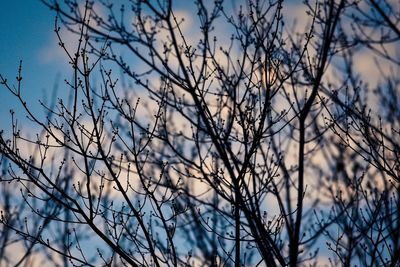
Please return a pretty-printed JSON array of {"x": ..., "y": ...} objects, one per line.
[
  {"x": 26, "y": 30},
  {"x": 27, "y": 34}
]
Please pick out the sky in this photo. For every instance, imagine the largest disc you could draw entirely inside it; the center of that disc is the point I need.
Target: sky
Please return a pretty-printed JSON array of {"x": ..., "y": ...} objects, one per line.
[{"x": 27, "y": 32}]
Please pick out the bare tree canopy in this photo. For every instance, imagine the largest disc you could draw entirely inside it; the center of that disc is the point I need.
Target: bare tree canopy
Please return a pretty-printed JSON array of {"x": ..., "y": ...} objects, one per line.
[{"x": 209, "y": 133}]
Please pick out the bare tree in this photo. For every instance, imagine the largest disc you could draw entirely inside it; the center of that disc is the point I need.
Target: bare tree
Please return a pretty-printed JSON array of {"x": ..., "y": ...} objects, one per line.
[
  {"x": 239, "y": 141},
  {"x": 367, "y": 234}
]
